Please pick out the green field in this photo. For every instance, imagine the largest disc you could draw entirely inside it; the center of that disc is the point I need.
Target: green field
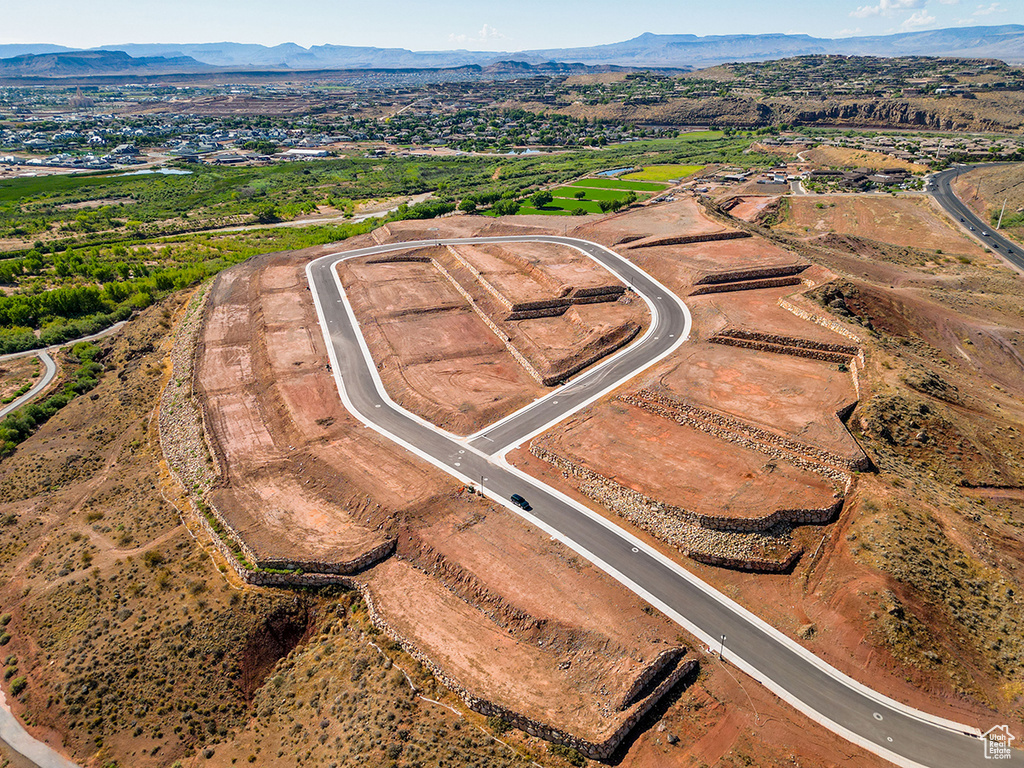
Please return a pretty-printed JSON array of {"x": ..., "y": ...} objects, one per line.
[
  {"x": 561, "y": 205},
  {"x": 664, "y": 172},
  {"x": 633, "y": 186},
  {"x": 592, "y": 194}
]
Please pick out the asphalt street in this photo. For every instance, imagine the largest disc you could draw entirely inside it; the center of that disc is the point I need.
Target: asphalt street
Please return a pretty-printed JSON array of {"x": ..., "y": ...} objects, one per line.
[
  {"x": 848, "y": 708},
  {"x": 939, "y": 185},
  {"x": 49, "y": 370}
]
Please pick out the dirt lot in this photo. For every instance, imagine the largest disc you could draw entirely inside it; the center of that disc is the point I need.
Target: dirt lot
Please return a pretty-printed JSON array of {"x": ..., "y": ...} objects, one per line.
[
  {"x": 436, "y": 356},
  {"x": 681, "y": 216},
  {"x": 733, "y": 381},
  {"x": 749, "y": 208},
  {"x": 907, "y": 221},
  {"x": 758, "y": 311},
  {"x": 840, "y": 157},
  {"x": 684, "y": 466}
]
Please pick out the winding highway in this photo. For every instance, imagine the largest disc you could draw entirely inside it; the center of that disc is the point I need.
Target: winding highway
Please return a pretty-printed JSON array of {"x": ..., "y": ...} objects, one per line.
[
  {"x": 898, "y": 733},
  {"x": 940, "y": 187}
]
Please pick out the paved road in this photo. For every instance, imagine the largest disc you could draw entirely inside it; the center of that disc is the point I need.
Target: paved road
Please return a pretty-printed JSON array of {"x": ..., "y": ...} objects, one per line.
[
  {"x": 49, "y": 371},
  {"x": 902, "y": 735},
  {"x": 17, "y": 738},
  {"x": 940, "y": 186},
  {"x": 50, "y": 367}
]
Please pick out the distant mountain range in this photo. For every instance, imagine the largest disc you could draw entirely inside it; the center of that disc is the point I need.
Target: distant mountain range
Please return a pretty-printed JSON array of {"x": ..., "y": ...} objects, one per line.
[
  {"x": 85, "y": 63},
  {"x": 647, "y": 50}
]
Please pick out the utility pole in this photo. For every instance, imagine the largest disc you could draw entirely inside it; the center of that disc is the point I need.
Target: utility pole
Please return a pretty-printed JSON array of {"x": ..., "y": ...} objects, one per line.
[
  {"x": 721, "y": 650},
  {"x": 999, "y": 224}
]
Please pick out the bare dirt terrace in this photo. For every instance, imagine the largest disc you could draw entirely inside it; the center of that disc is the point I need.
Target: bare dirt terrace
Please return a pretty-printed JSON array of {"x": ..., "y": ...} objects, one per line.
[
  {"x": 750, "y": 207},
  {"x": 305, "y": 483},
  {"x": 910, "y": 221},
  {"x": 463, "y": 335}
]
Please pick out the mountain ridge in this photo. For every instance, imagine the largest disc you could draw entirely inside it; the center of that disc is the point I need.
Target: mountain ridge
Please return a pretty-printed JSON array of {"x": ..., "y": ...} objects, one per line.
[{"x": 1004, "y": 42}]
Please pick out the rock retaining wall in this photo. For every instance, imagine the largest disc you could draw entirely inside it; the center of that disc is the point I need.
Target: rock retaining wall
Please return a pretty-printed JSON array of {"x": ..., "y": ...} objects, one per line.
[
  {"x": 684, "y": 239},
  {"x": 664, "y": 660},
  {"x": 753, "y": 273},
  {"x": 848, "y": 350},
  {"x": 747, "y": 285}
]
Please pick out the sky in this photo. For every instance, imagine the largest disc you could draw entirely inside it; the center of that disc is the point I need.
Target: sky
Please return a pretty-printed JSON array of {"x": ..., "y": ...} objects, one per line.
[{"x": 484, "y": 25}]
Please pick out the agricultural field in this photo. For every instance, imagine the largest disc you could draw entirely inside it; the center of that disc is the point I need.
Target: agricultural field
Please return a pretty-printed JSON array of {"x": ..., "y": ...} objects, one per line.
[
  {"x": 591, "y": 196},
  {"x": 670, "y": 172},
  {"x": 634, "y": 186}
]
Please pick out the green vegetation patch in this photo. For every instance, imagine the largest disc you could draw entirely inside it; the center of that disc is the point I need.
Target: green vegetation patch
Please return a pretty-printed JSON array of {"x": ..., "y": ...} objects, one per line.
[
  {"x": 632, "y": 186},
  {"x": 665, "y": 172},
  {"x": 590, "y": 193}
]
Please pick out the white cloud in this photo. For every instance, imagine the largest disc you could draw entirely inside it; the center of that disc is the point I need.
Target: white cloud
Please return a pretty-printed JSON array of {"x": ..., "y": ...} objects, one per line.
[
  {"x": 918, "y": 20},
  {"x": 848, "y": 32},
  {"x": 988, "y": 10},
  {"x": 886, "y": 8},
  {"x": 486, "y": 34},
  {"x": 950, "y": 2}
]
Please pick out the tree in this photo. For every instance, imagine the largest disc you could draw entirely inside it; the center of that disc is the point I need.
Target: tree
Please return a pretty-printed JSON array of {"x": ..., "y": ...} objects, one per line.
[
  {"x": 541, "y": 198},
  {"x": 468, "y": 205},
  {"x": 506, "y": 207}
]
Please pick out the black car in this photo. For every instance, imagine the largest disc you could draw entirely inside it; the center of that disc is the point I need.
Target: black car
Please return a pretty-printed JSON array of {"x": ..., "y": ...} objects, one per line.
[{"x": 519, "y": 501}]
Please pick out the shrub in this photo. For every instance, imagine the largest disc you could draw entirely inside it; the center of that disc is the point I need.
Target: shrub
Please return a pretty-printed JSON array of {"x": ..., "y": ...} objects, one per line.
[
  {"x": 570, "y": 755},
  {"x": 5, "y": 639},
  {"x": 153, "y": 557},
  {"x": 18, "y": 685},
  {"x": 498, "y": 725}
]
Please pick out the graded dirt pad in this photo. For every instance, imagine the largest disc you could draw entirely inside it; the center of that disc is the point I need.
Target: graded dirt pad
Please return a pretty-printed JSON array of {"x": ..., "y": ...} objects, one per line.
[
  {"x": 524, "y": 676},
  {"x": 529, "y": 271},
  {"x": 680, "y": 266},
  {"x": 261, "y": 360},
  {"x": 683, "y": 466},
  {"x": 436, "y": 356},
  {"x": 683, "y": 216},
  {"x": 549, "y": 633},
  {"x": 907, "y": 221},
  {"x": 749, "y": 207},
  {"x": 746, "y": 384},
  {"x": 759, "y": 311},
  {"x": 441, "y": 336}
]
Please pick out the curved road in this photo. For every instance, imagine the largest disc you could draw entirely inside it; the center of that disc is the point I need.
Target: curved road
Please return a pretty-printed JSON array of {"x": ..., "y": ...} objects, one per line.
[
  {"x": 898, "y": 733},
  {"x": 940, "y": 187},
  {"x": 49, "y": 371},
  {"x": 50, "y": 368}
]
